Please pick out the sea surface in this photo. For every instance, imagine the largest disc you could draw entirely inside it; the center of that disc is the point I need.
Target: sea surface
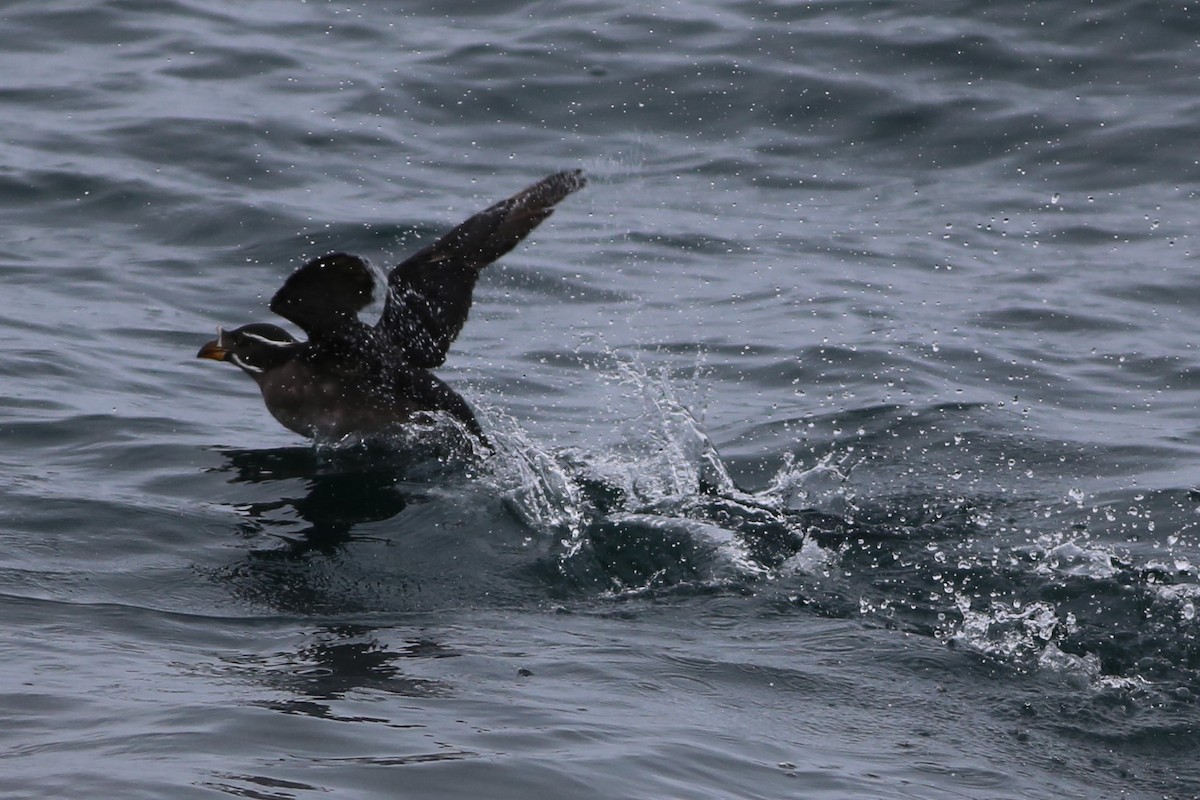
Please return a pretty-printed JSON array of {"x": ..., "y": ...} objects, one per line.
[{"x": 845, "y": 425}]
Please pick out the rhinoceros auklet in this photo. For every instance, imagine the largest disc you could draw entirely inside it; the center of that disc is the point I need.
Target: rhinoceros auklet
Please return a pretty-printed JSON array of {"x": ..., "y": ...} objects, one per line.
[{"x": 354, "y": 378}]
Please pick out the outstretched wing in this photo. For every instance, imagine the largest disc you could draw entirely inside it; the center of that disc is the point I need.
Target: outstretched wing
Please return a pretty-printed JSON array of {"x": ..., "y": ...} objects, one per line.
[
  {"x": 326, "y": 293},
  {"x": 429, "y": 294}
]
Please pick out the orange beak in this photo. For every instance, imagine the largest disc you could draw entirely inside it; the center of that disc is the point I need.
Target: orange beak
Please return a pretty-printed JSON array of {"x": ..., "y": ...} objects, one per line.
[{"x": 213, "y": 350}]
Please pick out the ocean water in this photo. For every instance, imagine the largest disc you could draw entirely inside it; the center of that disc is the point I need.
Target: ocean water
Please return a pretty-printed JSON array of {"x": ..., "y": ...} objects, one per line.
[{"x": 845, "y": 423}]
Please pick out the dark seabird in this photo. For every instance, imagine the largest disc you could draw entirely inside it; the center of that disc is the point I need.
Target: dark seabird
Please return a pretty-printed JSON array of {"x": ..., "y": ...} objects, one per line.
[{"x": 360, "y": 379}]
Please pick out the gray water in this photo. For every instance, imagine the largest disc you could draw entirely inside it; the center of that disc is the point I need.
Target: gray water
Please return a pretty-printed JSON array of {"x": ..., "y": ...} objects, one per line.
[{"x": 844, "y": 423}]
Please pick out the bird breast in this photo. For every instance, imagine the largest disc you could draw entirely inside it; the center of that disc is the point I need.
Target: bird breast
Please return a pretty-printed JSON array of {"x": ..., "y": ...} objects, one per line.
[{"x": 323, "y": 404}]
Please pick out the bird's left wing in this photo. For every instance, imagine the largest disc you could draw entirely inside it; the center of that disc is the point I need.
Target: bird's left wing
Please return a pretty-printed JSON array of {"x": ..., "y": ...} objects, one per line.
[{"x": 326, "y": 293}]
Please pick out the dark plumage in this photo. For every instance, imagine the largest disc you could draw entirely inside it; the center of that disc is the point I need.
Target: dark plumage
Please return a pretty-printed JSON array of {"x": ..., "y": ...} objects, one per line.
[{"x": 355, "y": 378}]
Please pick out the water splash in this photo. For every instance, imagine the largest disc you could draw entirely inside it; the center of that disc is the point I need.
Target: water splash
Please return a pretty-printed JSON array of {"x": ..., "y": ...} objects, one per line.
[
  {"x": 660, "y": 510},
  {"x": 1016, "y": 633},
  {"x": 1076, "y": 559},
  {"x": 538, "y": 488},
  {"x": 1054, "y": 604}
]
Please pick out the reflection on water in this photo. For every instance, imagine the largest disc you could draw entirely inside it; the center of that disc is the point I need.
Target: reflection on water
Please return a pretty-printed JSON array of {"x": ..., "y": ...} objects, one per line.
[
  {"x": 338, "y": 494},
  {"x": 304, "y": 506},
  {"x": 340, "y": 674},
  {"x": 341, "y": 659}
]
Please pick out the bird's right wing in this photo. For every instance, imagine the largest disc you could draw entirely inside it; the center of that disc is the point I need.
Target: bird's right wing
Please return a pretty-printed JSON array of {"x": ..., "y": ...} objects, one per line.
[{"x": 429, "y": 294}]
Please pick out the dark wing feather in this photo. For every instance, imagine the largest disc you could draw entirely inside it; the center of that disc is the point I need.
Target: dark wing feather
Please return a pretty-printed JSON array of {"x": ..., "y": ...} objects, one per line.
[
  {"x": 429, "y": 294},
  {"x": 326, "y": 293}
]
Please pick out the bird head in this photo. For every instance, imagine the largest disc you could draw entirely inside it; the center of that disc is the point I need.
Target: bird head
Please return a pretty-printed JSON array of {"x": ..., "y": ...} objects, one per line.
[{"x": 255, "y": 348}]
